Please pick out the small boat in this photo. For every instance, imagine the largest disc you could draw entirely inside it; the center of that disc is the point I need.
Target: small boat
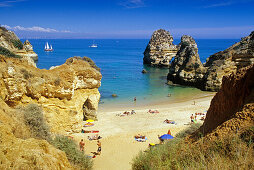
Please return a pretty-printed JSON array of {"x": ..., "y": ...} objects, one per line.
[
  {"x": 47, "y": 48},
  {"x": 93, "y": 45}
]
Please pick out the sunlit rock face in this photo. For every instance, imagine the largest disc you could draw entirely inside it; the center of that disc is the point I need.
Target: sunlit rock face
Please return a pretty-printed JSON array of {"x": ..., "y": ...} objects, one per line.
[
  {"x": 68, "y": 93},
  {"x": 160, "y": 50}
]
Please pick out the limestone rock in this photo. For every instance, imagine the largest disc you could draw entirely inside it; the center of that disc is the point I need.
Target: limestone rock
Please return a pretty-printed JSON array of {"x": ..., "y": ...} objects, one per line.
[
  {"x": 19, "y": 151},
  {"x": 160, "y": 49},
  {"x": 68, "y": 94},
  {"x": 186, "y": 68},
  {"x": 11, "y": 42},
  {"x": 228, "y": 61},
  {"x": 209, "y": 76}
]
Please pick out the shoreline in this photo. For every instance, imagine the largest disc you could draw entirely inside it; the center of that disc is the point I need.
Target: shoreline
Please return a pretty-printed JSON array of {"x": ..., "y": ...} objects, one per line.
[{"x": 118, "y": 144}]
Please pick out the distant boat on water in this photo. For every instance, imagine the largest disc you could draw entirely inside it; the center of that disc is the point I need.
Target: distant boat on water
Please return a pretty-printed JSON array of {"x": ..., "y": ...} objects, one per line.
[
  {"x": 93, "y": 45},
  {"x": 47, "y": 48}
]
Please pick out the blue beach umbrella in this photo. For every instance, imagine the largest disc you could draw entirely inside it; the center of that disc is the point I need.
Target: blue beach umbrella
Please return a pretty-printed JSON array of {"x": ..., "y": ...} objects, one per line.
[{"x": 166, "y": 136}]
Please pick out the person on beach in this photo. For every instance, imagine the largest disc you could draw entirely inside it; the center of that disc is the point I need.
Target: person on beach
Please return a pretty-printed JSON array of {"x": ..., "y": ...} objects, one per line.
[
  {"x": 133, "y": 112},
  {"x": 99, "y": 147},
  {"x": 169, "y": 132},
  {"x": 82, "y": 145},
  {"x": 192, "y": 118},
  {"x": 135, "y": 99}
]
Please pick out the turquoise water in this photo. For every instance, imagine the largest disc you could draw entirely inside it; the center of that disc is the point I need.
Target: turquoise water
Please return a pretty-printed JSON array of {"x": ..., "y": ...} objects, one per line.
[{"x": 121, "y": 63}]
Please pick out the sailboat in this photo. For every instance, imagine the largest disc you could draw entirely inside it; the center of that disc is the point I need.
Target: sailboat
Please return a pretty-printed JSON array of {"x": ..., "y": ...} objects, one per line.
[
  {"x": 93, "y": 45},
  {"x": 47, "y": 48}
]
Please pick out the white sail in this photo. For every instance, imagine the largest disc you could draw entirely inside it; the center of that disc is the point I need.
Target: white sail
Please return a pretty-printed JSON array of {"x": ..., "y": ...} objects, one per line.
[
  {"x": 47, "y": 45},
  {"x": 51, "y": 47}
]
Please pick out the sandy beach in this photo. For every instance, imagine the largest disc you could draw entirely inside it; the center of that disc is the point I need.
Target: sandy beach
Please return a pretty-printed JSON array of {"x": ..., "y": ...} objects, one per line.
[{"x": 118, "y": 144}]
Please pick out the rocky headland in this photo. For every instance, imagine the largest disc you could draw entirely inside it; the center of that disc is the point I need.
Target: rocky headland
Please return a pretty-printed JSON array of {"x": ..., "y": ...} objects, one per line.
[
  {"x": 187, "y": 69},
  {"x": 10, "y": 45},
  {"x": 160, "y": 49},
  {"x": 65, "y": 96}
]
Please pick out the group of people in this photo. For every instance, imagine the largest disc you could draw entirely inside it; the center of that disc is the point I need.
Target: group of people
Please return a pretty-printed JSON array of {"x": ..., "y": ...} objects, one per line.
[
  {"x": 194, "y": 118},
  {"x": 126, "y": 113},
  {"x": 153, "y": 111},
  {"x": 82, "y": 147}
]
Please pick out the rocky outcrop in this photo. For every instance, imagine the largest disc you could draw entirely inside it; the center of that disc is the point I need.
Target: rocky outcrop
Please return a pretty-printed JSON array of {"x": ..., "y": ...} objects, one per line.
[
  {"x": 68, "y": 93},
  {"x": 229, "y": 61},
  {"x": 186, "y": 68},
  {"x": 160, "y": 49},
  {"x": 209, "y": 76},
  {"x": 27, "y": 51},
  {"x": 232, "y": 108},
  {"x": 10, "y": 42},
  {"x": 19, "y": 151}
]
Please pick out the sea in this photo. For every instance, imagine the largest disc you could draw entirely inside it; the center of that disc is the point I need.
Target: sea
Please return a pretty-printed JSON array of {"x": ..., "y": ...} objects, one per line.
[{"x": 121, "y": 63}]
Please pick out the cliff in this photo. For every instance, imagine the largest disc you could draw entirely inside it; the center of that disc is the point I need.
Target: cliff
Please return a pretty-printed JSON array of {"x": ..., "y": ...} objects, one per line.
[
  {"x": 232, "y": 108},
  {"x": 11, "y": 46},
  {"x": 160, "y": 49},
  {"x": 186, "y": 68},
  {"x": 209, "y": 76},
  {"x": 19, "y": 151},
  {"x": 68, "y": 93}
]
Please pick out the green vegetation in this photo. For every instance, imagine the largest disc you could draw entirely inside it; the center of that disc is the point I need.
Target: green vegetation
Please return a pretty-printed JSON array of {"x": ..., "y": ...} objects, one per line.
[
  {"x": 18, "y": 44},
  {"x": 34, "y": 119},
  {"x": 7, "y": 53},
  {"x": 91, "y": 62},
  {"x": 75, "y": 156},
  {"x": 231, "y": 152}
]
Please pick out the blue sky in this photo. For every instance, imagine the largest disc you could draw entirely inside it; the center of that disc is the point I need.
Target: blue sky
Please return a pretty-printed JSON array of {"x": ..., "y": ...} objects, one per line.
[{"x": 127, "y": 18}]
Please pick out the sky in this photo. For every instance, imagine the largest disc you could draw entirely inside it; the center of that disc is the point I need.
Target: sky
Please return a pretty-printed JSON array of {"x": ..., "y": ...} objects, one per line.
[{"x": 129, "y": 19}]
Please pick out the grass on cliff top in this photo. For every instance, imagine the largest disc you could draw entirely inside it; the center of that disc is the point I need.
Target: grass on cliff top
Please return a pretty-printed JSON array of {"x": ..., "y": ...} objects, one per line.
[
  {"x": 87, "y": 59},
  {"x": 17, "y": 44},
  {"x": 75, "y": 156},
  {"x": 231, "y": 152},
  {"x": 8, "y": 53}
]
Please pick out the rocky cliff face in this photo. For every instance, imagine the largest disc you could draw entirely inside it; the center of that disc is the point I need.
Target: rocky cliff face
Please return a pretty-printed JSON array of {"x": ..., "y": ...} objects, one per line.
[
  {"x": 19, "y": 151},
  {"x": 232, "y": 108},
  {"x": 186, "y": 68},
  {"x": 229, "y": 61},
  {"x": 11, "y": 42},
  {"x": 68, "y": 93},
  {"x": 209, "y": 76},
  {"x": 160, "y": 49}
]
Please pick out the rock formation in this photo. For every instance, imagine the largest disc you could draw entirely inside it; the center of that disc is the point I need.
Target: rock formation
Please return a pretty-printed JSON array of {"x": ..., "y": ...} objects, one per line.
[
  {"x": 19, "y": 151},
  {"x": 27, "y": 51},
  {"x": 160, "y": 49},
  {"x": 232, "y": 108},
  {"x": 229, "y": 61},
  {"x": 68, "y": 93},
  {"x": 186, "y": 68},
  {"x": 209, "y": 76},
  {"x": 10, "y": 42}
]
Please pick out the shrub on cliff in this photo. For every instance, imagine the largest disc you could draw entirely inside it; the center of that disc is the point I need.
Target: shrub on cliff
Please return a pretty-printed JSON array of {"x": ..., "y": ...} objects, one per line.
[
  {"x": 34, "y": 119},
  {"x": 7, "y": 53},
  {"x": 75, "y": 156},
  {"x": 17, "y": 43},
  {"x": 91, "y": 62},
  {"x": 230, "y": 152}
]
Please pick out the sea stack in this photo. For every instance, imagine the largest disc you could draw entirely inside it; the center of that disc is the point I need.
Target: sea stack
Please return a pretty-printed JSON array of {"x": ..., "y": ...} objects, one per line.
[
  {"x": 186, "y": 68},
  {"x": 160, "y": 50}
]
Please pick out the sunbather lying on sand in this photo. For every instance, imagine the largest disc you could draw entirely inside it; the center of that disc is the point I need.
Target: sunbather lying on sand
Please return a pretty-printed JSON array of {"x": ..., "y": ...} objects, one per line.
[
  {"x": 153, "y": 111},
  {"x": 94, "y": 137},
  {"x": 139, "y": 136},
  {"x": 169, "y": 121}
]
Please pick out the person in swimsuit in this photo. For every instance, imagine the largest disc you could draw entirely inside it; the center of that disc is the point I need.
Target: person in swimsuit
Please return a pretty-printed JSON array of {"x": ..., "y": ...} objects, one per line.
[
  {"x": 99, "y": 147},
  {"x": 82, "y": 145}
]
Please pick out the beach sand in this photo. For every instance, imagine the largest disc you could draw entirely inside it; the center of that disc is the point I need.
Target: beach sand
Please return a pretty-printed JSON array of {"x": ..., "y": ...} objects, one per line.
[{"x": 118, "y": 144}]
